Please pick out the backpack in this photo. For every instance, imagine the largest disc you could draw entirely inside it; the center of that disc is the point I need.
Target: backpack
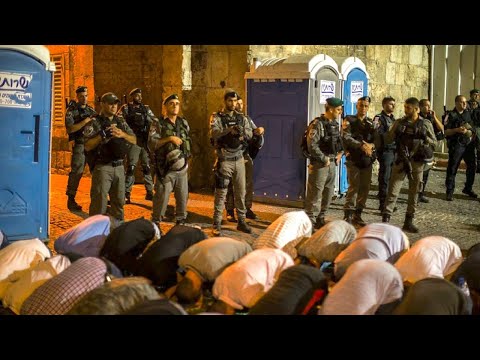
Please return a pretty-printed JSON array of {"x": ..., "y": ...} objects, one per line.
[{"x": 304, "y": 145}]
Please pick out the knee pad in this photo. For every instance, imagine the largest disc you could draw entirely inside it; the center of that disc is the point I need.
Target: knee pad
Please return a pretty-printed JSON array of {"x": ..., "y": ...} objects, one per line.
[
  {"x": 130, "y": 170},
  {"x": 221, "y": 182},
  {"x": 147, "y": 170}
]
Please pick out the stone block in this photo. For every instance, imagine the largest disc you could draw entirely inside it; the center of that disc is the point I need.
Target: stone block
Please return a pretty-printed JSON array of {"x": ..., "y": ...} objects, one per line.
[
  {"x": 390, "y": 74},
  {"x": 415, "y": 56}
]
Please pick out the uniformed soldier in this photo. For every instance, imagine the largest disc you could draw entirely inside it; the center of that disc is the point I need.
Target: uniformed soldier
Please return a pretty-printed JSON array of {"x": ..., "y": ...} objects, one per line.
[
  {"x": 229, "y": 132},
  {"x": 169, "y": 140},
  {"x": 428, "y": 113},
  {"x": 385, "y": 153},
  {"x": 254, "y": 144},
  {"x": 459, "y": 131},
  {"x": 108, "y": 137},
  {"x": 358, "y": 134},
  {"x": 474, "y": 98},
  {"x": 325, "y": 150},
  {"x": 139, "y": 117},
  {"x": 78, "y": 115},
  {"x": 415, "y": 141}
]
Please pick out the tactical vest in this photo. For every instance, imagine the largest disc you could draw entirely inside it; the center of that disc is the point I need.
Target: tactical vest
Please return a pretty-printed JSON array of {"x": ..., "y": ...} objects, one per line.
[
  {"x": 361, "y": 131},
  {"x": 137, "y": 118},
  {"x": 385, "y": 122},
  {"x": 79, "y": 114},
  {"x": 230, "y": 140},
  {"x": 170, "y": 153},
  {"x": 329, "y": 142},
  {"x": 412, "y": 138},
  {"x": 457, "y": 120},
  {"x": 115, "y": 148}
]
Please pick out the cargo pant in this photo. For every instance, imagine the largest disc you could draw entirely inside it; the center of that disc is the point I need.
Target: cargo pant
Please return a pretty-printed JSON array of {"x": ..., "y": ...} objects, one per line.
[
  {"x": 358, "y": 186},
  {"x": 77, "y": 167},
  {"x": 134, "y": 153},
  {"x": 320, "y": 188},
  {"x": 230, "y": 204}
]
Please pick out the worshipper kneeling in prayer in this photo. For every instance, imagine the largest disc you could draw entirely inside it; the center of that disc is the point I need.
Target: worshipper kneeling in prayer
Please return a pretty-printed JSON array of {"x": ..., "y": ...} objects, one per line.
[
  {"x": 298, "y": 291},
  {"x": 434, "y": 296},
  {"x": 285, "y": 233},
  {"x": 326, "y": 243},
  {"x": 115, "y": 297},
  {"x": 16, "y": 288},
  {"x": 243, "y": 283},
  {"x": 159, "y": 262},
  {"x": 368, "y": 287},
  {"x": 469, "y": 272},
  {"x": 432, "y": 256},
  {"x": 86, "y": 238},
  {"x": 374, "y": 241},
  {"x": 204, "y": 262},
  {"x": 157, "y": 307}
]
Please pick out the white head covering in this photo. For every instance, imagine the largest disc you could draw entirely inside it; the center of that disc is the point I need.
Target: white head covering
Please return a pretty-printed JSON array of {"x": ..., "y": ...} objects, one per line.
[
  {"x": 367, "y": 284},
  {"x": 323, "y": 245},
  {"x": 432, "y": 256}
]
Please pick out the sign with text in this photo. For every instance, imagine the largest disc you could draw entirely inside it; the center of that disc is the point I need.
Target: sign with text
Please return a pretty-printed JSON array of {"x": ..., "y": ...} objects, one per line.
[
  {"x": 14, "y": 90},
  {"x": 327, "y": 90},
  {"x": 356, "y": 91}
]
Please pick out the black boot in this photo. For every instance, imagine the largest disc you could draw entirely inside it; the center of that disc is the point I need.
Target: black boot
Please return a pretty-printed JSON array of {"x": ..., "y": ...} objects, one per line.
[
  {"x": 449, "y": 196},
  {"x": 385, "y": 218},
  {"x": 72, "y": 204},
  {"x": 251, "y": 215},
  {"x": 217, "y": 230},
  {"x": 422, "y": 198},
  {"x": 348, "y": 216},
  {"x": 320, "y": 222},
  {"x": 381, "y": 205},
  {"x": 231, "y": 216},
  {"x": 181, "y": 222},
  {"x": 127, "y": 198},
  {"x": 357, "y": 218},
  {"x": 149, "y": 195},
  {"x": 408, "y": 224},
  {"x": 243, "y": 226}
]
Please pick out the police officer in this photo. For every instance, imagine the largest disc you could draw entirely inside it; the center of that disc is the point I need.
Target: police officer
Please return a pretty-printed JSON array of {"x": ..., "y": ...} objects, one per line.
[
  {"x": 325, "y": 150},
  {"x": 138, "y": 117},
  {"x": 108, "y": 137},
  {"x": 474, "y": 98},
  {"x": 415, "y": 141},
  {"x": 358, "y": 134},
  {"x": 460, "y": 135},
  {"x": 254, "y": 145},
  {"x": 78, "y": 115},
  {"x": 385, "y": 152},
  {"x": 170, "y": 141},
  {"x": 229, "y": 132},
  {"x": 428, "y": 113}
]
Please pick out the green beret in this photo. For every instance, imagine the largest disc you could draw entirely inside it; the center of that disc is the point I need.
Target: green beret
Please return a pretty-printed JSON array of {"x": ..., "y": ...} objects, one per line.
[
  {"x": 335, "y": 102},
  {"x": 81, "y": 89},
  {"x": 474, "y": 91},
  {"x": 135, "y": 91},
  {"x": 171, "y": 97}
]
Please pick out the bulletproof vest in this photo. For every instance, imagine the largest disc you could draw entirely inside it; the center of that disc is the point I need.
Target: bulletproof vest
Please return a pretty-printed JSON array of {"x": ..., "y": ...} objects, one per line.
[
  {"x": 456, "y": 120},
  {"x": 80, "y": 114},
  {"x": 411, "y": 136},
  {"x": 361, "y": 131},
  {"x": 115, "y": 148},
  {"x": 230, "y": 140},
  {"x": 169, "y": 153},
  {"x": 385, "y": 122},
  {"x": 329, "y": 141},
  {"x": 137, "y": 118}
]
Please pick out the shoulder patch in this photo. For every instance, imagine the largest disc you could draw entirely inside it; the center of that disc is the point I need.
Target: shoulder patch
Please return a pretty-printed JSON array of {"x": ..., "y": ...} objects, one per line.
[
  {"x": 88, "y": 131},
  {"x": 312, "y": 133},
  {"x": 345, "y": 124}
]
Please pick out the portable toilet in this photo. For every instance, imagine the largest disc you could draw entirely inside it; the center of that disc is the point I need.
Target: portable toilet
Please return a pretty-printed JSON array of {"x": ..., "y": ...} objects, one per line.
[
  {"x": 25, "y": 113},
  {"x": 283, "y": 96},
  {"x": 354, "y": 86}
]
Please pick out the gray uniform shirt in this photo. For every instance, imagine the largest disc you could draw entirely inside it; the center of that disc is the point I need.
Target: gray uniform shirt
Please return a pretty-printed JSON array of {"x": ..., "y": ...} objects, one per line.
[
  {"x": 210, "y": 257},
  {"x": 314, "y": 137},
  {"x": 93, "y": 127},
  {"x": 217, "y": 131}
]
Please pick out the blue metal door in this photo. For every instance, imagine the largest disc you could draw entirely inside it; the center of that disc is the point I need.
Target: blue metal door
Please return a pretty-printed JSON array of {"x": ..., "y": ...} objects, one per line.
[
  {"x": 25, "y": 107},
  {"x": 281, "y": 108},
  {"x": 354, "y": 87}
]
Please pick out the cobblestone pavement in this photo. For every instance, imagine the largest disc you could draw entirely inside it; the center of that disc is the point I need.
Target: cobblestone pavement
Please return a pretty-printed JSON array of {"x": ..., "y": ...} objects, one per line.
[{"x": 457, "y": 220}]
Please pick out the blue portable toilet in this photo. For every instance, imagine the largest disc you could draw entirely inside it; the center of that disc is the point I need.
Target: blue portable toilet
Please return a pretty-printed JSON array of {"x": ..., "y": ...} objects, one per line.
[
  {"x": 354, "y": 86},
  {"x": 25, "y": 113},
  {"x": 284, "y": 95}
]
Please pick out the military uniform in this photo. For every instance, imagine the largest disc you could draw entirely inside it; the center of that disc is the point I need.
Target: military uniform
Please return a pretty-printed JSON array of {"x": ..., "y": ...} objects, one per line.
[
  {"x": 75, "y": 114},
  {"x": 359, "y": 165},
  {"x": 460, "y": 147},
  {"x": 139, "y": 117},
  {"x": 171, "y": 165},
  {"x": 324, "y": 144},
  {"x": 230, "y": 164},
  {"x": 230, "y": 204},
  {"x": 415, "y": 142},
  {"x": 108, "y": 177},
  {"x": 385, "y": 153}
]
